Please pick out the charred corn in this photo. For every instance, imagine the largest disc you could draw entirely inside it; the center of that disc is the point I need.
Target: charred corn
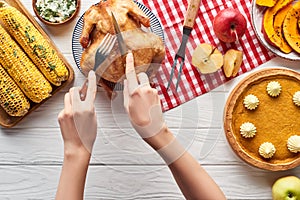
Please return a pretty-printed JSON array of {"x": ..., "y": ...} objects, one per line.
[
  {"x": 12, "y": 99},
  {"x": 31, "y": 81},
  {"x": 34, "y": 44}
]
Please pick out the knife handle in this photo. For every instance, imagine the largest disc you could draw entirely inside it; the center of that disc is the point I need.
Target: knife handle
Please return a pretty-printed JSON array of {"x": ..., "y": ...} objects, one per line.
[{"x": 191, "y": 14}]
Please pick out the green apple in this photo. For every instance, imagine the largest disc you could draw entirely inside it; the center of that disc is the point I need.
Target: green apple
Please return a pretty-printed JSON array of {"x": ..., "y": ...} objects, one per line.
[{"x": 286, "y": 188}]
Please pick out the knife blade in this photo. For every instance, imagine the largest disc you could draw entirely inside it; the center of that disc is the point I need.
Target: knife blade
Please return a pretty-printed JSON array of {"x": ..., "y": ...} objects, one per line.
[{"x": 122, "y": 46}]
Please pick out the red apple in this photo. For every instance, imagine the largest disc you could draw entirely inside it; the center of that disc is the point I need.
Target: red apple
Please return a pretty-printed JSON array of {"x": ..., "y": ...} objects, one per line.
[{"x": 229, "y": 25}]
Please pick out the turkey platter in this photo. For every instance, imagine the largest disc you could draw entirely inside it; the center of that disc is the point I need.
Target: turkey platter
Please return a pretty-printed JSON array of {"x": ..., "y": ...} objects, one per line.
[{"x": 148, "y": 49}]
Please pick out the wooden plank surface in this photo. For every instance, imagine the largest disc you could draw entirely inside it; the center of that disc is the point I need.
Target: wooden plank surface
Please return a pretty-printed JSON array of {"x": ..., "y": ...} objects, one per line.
[
  {"x": 133, "y": 182},
  {"x": 44, "y": 146},
  {"x": 31, "y": 153}
]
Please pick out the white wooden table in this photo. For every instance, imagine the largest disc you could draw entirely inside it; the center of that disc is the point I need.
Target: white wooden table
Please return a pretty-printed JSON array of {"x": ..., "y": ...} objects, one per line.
[{"x": 123, "y": 166}]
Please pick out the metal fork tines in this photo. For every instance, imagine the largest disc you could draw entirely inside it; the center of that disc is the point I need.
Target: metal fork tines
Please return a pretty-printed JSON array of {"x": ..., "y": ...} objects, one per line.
[
  {"x": 104, "y": 49},
  {"x": 102, "y": 52},
  {"x": 180, "y": 55}
]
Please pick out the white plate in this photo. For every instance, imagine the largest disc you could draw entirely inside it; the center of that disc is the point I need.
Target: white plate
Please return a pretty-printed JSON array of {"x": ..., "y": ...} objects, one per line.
[
  {"x": 155, "y": 27},
  {"x": 257, "y": 19}
]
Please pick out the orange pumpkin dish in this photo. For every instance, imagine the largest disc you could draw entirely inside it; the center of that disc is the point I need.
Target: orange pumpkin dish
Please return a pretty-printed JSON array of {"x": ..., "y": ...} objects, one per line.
[
  {"x": 268, "y": 3},
  {"x": 275, "y": 118},
  {"x": 273, "y": 31},
  {"x": 278, "y": 22},
  {"x": 290, "y": 27}
]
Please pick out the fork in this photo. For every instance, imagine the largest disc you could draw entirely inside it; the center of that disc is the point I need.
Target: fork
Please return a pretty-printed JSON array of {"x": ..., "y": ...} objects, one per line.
[
  {"x": 188, "y": 24},
  {"x": 102, "y": 52},
  {"x": 104, "y": 49}
]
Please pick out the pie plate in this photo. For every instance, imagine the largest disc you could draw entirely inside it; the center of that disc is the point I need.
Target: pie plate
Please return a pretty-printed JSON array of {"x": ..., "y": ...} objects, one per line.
[{"x": 275, "y": 118}]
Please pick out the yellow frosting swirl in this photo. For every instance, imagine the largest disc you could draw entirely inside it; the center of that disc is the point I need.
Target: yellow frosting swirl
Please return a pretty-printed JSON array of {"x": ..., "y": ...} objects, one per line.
[
  {"x": 273, "y": 88},
  {"x": 296, "y": 98},
  {"x": 293, "y": 144},
  {"x": 247, "y": 130},
  {"x": 251, "y": 102},
  {"x": 267, "y": 150}
]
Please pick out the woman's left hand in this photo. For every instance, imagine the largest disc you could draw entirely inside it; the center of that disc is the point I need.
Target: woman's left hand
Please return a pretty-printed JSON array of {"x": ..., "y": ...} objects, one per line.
[{"x": 78, "y": 122}]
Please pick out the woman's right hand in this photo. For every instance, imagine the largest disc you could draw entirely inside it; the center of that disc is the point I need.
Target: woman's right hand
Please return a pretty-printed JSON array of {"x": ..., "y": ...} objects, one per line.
[{"x": 143, "y": 106}]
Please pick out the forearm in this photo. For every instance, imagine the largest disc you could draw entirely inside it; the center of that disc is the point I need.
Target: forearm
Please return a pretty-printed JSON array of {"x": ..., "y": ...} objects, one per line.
[
  {"x": 191, "y": 178},
  {"x": 73, "y": 175}
]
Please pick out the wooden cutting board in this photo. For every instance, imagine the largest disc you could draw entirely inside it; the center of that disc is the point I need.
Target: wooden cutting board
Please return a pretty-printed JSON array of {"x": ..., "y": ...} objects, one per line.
[{"x": 9, "y": 121}]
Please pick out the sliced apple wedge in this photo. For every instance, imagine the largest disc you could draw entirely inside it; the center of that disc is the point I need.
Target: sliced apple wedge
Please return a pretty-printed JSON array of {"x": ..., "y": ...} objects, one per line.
[
  {"x": 232, "y": 62},
  {"x": 207, "y": 58}
]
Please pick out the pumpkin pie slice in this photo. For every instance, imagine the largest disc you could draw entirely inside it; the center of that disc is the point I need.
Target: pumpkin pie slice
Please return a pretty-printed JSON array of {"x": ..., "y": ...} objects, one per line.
[{"x": 276, "y": 118}]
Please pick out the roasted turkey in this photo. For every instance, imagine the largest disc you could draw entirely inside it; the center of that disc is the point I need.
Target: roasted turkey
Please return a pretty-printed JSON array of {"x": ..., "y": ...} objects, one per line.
[{"x": 148, "y": 49}]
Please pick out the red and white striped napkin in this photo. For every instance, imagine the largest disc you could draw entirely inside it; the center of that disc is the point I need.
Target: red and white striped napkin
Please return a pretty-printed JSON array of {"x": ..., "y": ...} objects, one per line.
[{"x": 171, "y": 14}]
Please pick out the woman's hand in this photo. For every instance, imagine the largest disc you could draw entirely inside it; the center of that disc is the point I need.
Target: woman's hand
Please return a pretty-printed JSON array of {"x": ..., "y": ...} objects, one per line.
[
  {"x": 78, "y": 126},
  {"x": 143, "y": 106},
  {"x": 142, "y": 102},
  {"x": 77, "y": 120}
]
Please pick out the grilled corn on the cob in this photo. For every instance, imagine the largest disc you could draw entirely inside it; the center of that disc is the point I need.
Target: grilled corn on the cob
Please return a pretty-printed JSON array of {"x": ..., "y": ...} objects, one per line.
[
  {"x": 34, "y": 44},
  {"x": 31, "y": 81},
  {"x": 12, "y": 99}
]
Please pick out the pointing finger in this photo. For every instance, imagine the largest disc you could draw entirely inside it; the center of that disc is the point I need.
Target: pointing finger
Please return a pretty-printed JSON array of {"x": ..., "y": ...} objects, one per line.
[
  {"x": 130, "y": 73},
  {"x": 92, "y": 87},
  {"x": 126, "y": 95}
]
